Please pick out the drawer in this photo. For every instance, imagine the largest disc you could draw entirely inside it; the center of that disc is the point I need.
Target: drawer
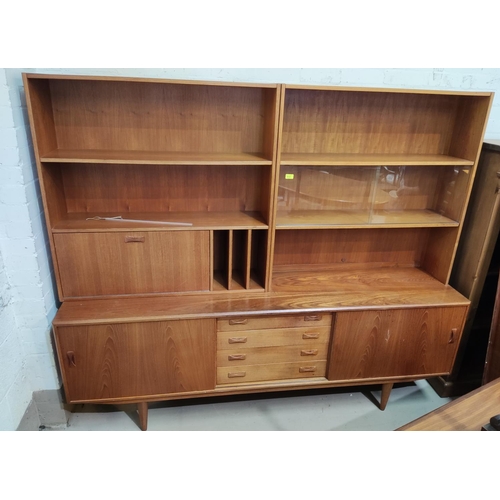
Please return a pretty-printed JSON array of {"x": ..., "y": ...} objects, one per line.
[
  {"x": 96, "y": 264},
  {"x": 268, "y": 322},
  {"x": 266, "y": 355},
  {"x": 269, "y": 373},
  {"x": 305, "y": 337}
]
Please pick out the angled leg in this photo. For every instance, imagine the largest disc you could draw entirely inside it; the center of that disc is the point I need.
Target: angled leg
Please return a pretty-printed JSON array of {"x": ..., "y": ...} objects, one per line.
[
  {"x": 386, "y": 392},
  {"x": 142, "y": 408}
]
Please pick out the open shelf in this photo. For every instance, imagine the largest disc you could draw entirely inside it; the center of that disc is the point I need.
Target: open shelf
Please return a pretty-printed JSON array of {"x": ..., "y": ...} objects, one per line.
[
  {"x": 366, "y": 280},
  {"x": 78, "y": 223},
  {"x": 327, "y": 219},
  {"x": 360, "y": 160},
  {"x": 125, "y": 157}
]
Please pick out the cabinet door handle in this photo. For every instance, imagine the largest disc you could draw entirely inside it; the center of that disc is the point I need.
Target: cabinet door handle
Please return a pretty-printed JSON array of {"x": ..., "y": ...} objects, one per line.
[
  {"x": 307, "y": 369},
  {"x": 452, "y": 336},
  {"x": 237, "y": 340},
  {"x": 236, "y": 374},
  {"x": 236, "y": 357},
  {"x": 313, "y": 317},
  {"x": 310, "y": 352},
  {"x": 71, "y": 358},
  {"x": 238, "y": 321},
  {"x": 307, "y": 336},
  {"x": 135, "y": 239}
]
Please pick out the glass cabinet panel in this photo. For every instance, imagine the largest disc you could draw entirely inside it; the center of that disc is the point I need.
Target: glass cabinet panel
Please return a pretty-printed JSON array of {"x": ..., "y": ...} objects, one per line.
[{"x": 386, "y": 195}]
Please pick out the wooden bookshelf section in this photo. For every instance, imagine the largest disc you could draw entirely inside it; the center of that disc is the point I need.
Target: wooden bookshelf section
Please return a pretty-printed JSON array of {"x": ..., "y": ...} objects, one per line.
[{"x": 316, "y": 230}]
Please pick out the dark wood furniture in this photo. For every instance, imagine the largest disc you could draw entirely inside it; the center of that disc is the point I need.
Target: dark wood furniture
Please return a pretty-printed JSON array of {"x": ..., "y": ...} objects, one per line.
[
  {"x": 475, "y": 275},
  {"x": 316, "y": 232}
]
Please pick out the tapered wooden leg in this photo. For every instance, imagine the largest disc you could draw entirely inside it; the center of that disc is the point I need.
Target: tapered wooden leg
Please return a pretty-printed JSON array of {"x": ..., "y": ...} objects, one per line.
[
  {"x": 142, "y": 408},
  {"x": 386, "y": 392}
]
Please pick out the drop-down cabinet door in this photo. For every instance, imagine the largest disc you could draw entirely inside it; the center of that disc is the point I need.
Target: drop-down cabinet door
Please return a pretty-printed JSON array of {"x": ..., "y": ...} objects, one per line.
[
  {"x": 132, "y": 360},
  {"x": 395, "y": 343}
]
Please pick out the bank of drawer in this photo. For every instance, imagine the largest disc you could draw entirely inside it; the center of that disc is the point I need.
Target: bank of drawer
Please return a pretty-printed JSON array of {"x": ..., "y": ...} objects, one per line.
[
  {"x": 306, "y": 337},
  {"x": 266, "y": 355},
  {"x": 269, "y": 373},
  {"x": 269, "y": 322}
]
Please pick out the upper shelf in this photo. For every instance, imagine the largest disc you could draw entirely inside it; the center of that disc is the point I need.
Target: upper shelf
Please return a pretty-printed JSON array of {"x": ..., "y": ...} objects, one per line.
[
  {"x": 154, "y": 221},
  {"x": 360, "y": 160},
  {"x": 153, "y": 157}
]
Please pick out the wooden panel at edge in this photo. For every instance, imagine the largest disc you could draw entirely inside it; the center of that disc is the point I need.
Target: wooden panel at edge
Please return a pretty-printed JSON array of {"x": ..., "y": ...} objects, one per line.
[
  {"x": 438, "y": 257},
  {"x": 137, "y": 359}
]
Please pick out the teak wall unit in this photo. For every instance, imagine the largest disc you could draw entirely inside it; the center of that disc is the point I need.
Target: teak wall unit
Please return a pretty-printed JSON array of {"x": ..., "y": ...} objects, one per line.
[{"x": 318, "y": 228}]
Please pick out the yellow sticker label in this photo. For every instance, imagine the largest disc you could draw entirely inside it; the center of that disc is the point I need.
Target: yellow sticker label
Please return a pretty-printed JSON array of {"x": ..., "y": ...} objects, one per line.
[{"x": 289, "y": 176}]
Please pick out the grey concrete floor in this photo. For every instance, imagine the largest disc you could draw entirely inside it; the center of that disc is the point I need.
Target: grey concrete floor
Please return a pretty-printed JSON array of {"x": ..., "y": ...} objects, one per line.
[{"x": 343, "y": 409}]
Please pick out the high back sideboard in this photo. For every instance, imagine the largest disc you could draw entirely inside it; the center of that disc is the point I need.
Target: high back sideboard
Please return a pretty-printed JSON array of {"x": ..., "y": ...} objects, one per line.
[{"x": 214, "y": 238}]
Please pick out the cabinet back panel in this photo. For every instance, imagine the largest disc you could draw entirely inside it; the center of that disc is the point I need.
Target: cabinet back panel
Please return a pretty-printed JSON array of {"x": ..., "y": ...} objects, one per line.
[
  {"x": 159, "y": 117},
  {"x": 366, "y": 122},
  {"x": 402, "y": 246},
  {"x": 150, "y": 188}
]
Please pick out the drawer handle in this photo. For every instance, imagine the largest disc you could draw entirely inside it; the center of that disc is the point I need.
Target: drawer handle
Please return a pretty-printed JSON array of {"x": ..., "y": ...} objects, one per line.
[
  {"x": 135, "y": 239},
  {"x": 236, "y": 357},
  {"x": 307, "y": 369},
  {"x": 310, "y": 352},
  {"x": 313, "y": 317},
  {"x": 452, "y": 336},
  {"x": 236, "y": 374},
  {"x": 237, "y": 340},
  {"x": 307, "y": 336},
  {"x": 238, "y": 321},
  {"x": 71, "y": 358}
]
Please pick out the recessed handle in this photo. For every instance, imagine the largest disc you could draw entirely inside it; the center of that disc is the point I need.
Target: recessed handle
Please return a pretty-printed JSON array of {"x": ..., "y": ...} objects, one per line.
[
  {"x": 236, "y": 357},
  {"x": 237, "y": 340},
  {"x": 453, "y": 333},
  {"x": 238, "y": 321},
  {"x": 313, "y": 317},
  {"x": 309, "y": 352},
  {"x": 236, "y": 374},
  {"x": 307, "y": 369},
  {"x": 71, "y": 358},
  {"x": 135, "y": 239},
  {"x": 309, "y": 336}
]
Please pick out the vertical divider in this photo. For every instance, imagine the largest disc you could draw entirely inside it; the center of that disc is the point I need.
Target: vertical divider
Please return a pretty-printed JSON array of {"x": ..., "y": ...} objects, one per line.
[
  {"x": 248, "y": 259},
  {"x": 211, "y": 260},
  {"x": 230, "y": 260}
]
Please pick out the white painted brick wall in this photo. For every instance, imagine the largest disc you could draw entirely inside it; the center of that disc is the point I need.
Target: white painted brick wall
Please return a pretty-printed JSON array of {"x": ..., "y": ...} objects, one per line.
[
  {"x": 27, "y": 304},
  {"x": 26, "y": 269}
]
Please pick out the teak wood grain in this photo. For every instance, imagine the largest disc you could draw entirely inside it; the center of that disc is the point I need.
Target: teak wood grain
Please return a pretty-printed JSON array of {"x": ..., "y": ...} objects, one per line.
[
  {"x": 269, "y": 355},
  {"x": 420, "y": 290},
  {"x": 244, "y": 374},
  {"x": 367, "y": 122},
  {"x": 306, "y": 337},
  {"x": 373, "y": 344},
  {"x": 93, "y": 264},
  {"x": 121, "y": 115},
  {"x": 136, "y": 359},
  {"x": 468, "y": 413},
  {"x": 216, "y": 155}
]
